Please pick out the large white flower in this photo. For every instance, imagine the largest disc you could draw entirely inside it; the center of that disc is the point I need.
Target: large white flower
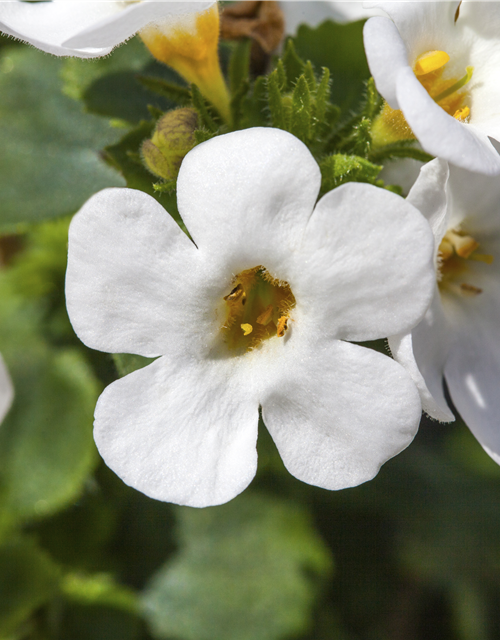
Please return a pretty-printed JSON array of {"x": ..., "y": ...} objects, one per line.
[
  {"x": 89, "y": 28},
  {"x": 316, "y": 11},
  {"x": 6, "y": 390},
  {"x": 459, "y": 336},
  {"x": 438, "y": 64},
  {"x": 255, "y": 310}
]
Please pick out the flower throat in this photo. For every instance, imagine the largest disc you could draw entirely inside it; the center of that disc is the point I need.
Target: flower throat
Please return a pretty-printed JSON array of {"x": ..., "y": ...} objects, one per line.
[{"x": 257, "y": 308}]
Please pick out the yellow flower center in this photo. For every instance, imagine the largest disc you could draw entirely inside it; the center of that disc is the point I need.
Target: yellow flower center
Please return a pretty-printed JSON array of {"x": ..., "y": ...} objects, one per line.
[
  {"x": 455, "y": 250},
  {"x": 446, "y": 91},
  {"x": 257, "y": 308}
]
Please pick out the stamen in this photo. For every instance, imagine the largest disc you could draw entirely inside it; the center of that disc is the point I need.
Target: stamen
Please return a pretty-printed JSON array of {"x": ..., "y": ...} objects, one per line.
[
  {"x": 282, "y": 326},
  {"x": 235, "y": 294},
  {"x": 469, "y": 290},
  {"x": 456, "y": 86},
  {"x": 247, "y": 329},
  {"x": 430, "y": 61},
  {"x": 462, "y": 114},
  {"x": 463, "y": 245}
]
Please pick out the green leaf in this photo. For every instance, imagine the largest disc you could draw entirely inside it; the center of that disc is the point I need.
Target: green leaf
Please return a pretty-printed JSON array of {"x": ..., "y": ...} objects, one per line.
[
  {"x": 247, "y": 570},
  {"x": 293, "y": 65},
  {"x": 339, "y": 168},
  {"x": 46, "y": 445},
  {"x": 340, "y": 48},
  {"x": 173, "y": 92},
  {"x": 28, "y": 579},
  {"x": 200, "y": 105},
  {"x": 49, "y": 163},
  {"x": 239, "y": 65}
]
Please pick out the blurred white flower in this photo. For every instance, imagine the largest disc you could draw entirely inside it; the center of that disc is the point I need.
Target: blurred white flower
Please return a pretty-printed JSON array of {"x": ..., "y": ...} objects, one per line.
[
  {"x": 438, "y": 66},
  {"x": 89, "y": 28},
  {"x": 459, "y": 335},
  {"x": 255, "y": 311},
  {"x": 6, "y": 390},
  {"x": 315, "y": 12}
]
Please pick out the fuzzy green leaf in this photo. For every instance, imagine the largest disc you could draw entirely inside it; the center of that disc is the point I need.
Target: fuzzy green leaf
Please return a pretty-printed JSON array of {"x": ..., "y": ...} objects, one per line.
[
  {"x": 301, "y": 110},
  {"x": 248, "y": 569},
  {"x": 339, "y": 168}
]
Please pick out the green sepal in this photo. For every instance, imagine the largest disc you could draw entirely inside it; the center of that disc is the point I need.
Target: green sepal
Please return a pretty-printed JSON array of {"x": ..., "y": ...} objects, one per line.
[
  {"x": 339, "y": 168},
  {"x": 277, "y": 109},
  {"x": 200, "y": 105},
  {"x": 293, "y": 65},
  {"x": 301, "y": 119}
]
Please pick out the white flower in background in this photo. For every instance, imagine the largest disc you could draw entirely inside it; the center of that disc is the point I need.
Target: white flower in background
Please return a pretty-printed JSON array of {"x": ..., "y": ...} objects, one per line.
[
  {"x": 255, "y": 311},
  {"x": 459, "y": 335},
  {"x": 438, "y": 66},
  {"x": 315, "y": 12},
  {"x": 89, "y": 28},
  {"x": 6, "y": 390}
]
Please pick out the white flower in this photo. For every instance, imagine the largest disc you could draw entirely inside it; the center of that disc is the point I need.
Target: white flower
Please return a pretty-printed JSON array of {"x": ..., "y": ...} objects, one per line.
[
  {"x": 439, "y": 64},
  {"x": 88, "y": 28},
  {"x": 6, "y": 390},
  {"x": 459, "y": 335},
  {"x": 255, "y": 311},
  {"x": 315, "y": 12}
]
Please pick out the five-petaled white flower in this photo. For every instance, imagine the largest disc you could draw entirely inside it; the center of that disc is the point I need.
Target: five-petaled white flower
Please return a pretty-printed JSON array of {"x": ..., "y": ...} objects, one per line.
[
  {"x": 459, "y": 335},
  {"x": 438, "y": 65},
  {"x": 255, "y": 310},
  {"x": 89, "y": 28},
  {"x": 6, "y": 390}
]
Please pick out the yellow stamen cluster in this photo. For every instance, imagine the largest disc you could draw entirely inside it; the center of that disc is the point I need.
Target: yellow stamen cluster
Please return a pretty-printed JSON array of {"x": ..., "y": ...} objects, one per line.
[
  {"x": 455, "y": 249},
  {"x": 257, "y": 308},
  {"x": 391, "y": 126}
]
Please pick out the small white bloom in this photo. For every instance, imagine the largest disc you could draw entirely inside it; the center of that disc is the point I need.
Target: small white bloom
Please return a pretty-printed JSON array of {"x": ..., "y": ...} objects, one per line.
[
  {"x": 255, "y": 311},
  {"x": 315, "y": 12},
  {"x": 459, "y": 335},
  {"x": 6, "y": 390},
  {"x": 439, "y": 64},
  {"x": 88, "y": 28}
]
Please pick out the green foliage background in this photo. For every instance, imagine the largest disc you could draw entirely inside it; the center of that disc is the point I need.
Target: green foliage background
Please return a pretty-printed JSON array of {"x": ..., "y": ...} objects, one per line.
[{"x": 412, "y": 555}]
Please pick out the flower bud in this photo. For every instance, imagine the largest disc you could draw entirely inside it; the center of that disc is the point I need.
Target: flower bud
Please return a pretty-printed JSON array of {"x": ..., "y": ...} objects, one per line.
[{"x": 171, "y": 141}]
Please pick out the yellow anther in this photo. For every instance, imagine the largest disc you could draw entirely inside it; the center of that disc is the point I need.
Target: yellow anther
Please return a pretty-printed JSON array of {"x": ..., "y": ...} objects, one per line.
[
  {"x": 266, "y": 316},
  {"x": 247, "y": 329},
  {"x": 462, "y": 114},
  {"x": 463, "y": 245},
  {"x": 282, "y": 326},
  {"x": 430, "y": 61},
  {"x": 235, "y": 294}
]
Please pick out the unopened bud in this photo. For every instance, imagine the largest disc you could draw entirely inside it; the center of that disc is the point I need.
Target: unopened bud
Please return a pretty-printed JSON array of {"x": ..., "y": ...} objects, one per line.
[{"x": 172, "y": 139}]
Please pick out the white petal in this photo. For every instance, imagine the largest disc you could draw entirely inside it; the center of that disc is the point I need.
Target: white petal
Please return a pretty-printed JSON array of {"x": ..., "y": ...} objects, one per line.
[
  {"x": 256, "y": 189},
  {"x": 46, "y": 25},
  {"x": 386, "y": 54},
  {"x": 182, "y": 431},
  {"x": 472, "y": 370},
  {"x": 133, "y": 277},
  {"x": 6, "y": 390},
  {"x": 441, "y": 134},
  {"x": 130, "y": 20},
  {"x": 402, "y": 351},
  {"x": 338, "y": 411},
  {"x": 85, "y": 28},
  {"x": 475, "y": 202},
  {"x": 424, "y": 25},
  {"x": 428, "y": 195},
  {"x": 365, "y": 265}
]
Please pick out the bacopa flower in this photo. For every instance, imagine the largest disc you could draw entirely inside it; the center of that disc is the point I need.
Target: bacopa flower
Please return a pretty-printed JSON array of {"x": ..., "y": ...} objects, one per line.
[
  {"x": 88, "y": 28},
  {"x": 458, "y": 337},
  {"x": 438, "y": 66},
  {"x": 6, "y": 390},
  {"x": 255, "y": 311}
]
